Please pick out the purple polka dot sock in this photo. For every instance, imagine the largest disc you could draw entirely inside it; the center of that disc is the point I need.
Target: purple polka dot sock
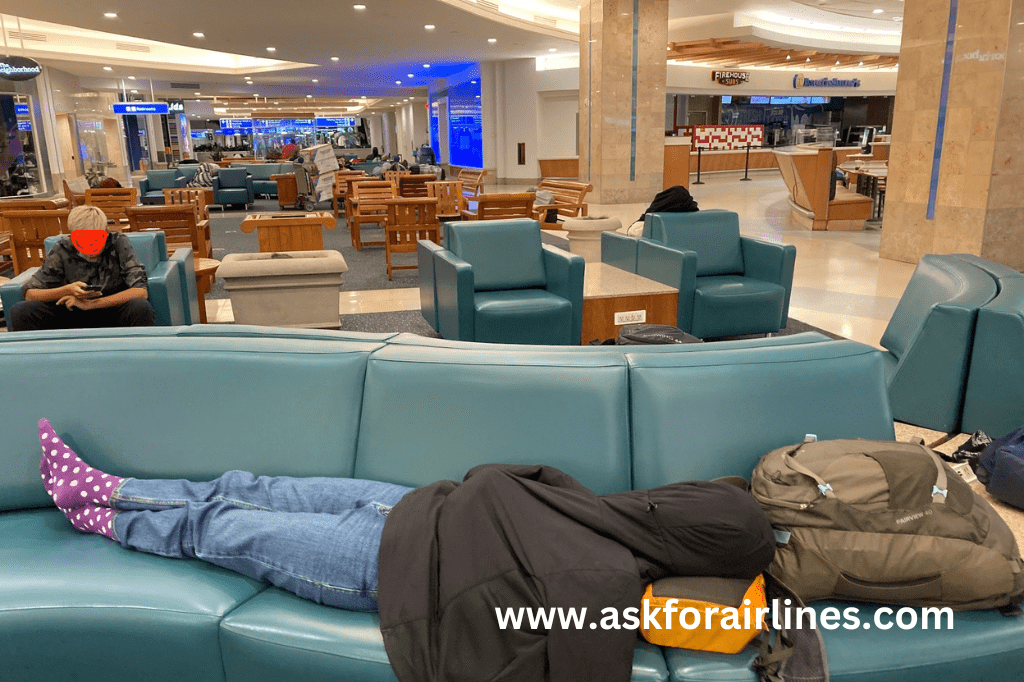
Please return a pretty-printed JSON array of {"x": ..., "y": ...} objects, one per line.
[
  {"x": 71, "y": 482},
  {"x": 93, "y": 519}
]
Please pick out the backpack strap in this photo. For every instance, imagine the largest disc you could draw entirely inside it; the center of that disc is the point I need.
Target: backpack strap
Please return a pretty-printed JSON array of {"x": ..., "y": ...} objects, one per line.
[
  {"x": 797, "y": 654},
  {"x": 824, "y": 487}
]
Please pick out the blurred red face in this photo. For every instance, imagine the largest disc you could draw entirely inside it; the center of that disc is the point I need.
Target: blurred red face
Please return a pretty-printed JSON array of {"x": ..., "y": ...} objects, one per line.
[{"x": 89, "y": 242}]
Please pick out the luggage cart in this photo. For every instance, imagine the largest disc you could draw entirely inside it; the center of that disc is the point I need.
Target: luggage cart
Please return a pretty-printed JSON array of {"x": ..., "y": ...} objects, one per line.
[{"x": 306, "y": 199}]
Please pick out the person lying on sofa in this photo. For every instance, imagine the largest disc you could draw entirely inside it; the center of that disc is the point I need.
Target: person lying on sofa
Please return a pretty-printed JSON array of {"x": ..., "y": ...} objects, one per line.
[
  {"x": 437, "y": 561},
  {"x": 90, "y": 278}
]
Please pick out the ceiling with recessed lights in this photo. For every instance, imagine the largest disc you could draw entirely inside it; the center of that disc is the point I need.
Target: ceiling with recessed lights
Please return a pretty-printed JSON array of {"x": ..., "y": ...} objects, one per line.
[{"x": 381, "y": 49}]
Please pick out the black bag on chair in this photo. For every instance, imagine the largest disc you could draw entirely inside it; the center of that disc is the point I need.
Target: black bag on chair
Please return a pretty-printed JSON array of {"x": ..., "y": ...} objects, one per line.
[{"x": 645, "y": 334}]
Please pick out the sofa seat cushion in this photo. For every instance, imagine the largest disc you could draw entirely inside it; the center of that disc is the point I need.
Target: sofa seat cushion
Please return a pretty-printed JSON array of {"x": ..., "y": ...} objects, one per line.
[
  {"x": 233, "y": 196},
  {"x": 277, "y": 636},
  {"x": 731, "y": 304},
  {"x": 532, "y": 316},
  {"x": 153, "y": 197},
  {"x": 265, "y": 187},
  {"x": 87, "y": 601},
  {"x": 983, "y": 645}
]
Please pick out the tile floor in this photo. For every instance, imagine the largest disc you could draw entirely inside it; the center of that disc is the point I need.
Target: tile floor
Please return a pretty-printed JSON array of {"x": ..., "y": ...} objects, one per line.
[{"x": 840, "y": 284}]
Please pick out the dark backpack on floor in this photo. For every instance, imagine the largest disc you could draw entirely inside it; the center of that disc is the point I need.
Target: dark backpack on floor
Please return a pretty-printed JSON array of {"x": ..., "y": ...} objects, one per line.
[
  {"x": 884, "y": 522},
  {"x": 1001, "y": 468}
]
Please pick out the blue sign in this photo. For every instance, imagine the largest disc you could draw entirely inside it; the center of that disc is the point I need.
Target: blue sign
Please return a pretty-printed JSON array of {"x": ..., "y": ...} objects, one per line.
[
  {"x": 282, "y": 122},
  {"x": 335, "y": 122},
  {"x": 801, "y": 81},
  {"x": 21, "y": 109},
  {"x": 25, "y": 125},
  {"x": 236, "y": 123},
  {"x": 201, "y": 135},
  {"x": 140, "y": 108}
]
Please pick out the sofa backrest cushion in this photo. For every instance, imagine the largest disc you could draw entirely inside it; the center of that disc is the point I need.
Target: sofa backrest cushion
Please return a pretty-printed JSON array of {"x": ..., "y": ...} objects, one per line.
[
  {"x": 714, "y": 235},
  {"x": 937, "y": 280},
  {"x": 505, "y": 254},
  {"x": 188, "y": 170},
  {"x": 161, "y": 179},
  {"x": 702, "y": 415},
  {"x": 191, "y": 407},
  {"x": 150, "y": 248},
  {"x": 434, "y": 413},
  {"x": 259, "y": 171}
]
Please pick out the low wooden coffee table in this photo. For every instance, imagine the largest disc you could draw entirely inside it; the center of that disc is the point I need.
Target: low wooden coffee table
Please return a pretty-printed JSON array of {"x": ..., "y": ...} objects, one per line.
[
  {"x": 610, "y": 293},
  {"x": 290, "y": 232}
]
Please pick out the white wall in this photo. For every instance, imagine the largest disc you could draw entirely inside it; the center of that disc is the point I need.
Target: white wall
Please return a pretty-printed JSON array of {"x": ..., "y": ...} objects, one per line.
[
  {"x": 516, "y": 119},
  {"x": 557, "y": 136},
  {"x": 376, "y": 130}
]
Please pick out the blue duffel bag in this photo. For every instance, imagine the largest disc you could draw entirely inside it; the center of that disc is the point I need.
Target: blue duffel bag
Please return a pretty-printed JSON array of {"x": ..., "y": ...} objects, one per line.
[{"x": 1001, "y": 468}]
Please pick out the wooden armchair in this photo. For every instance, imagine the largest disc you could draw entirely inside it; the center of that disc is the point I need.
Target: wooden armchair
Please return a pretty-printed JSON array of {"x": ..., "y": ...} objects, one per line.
[
  {"x": 569, "y": 197},
  {"x": 28, "y": 230},
  {"x": 472, "y": 180},
  {"x": 73, "y": 198},
  {"x": 450, "y": 202},
  {"x": 113, "y": 201},
  {"x": 502, "y": 206},
  {"x": 368, "y": 207},
  {"x": 409, "y": 219},
  {"x": 341, "y": 187},
  {"x": 197, "y": 196},
  {"x": 393, "y": 176},
  {"x": 414, "y": 185},
  {"x": 180, "y": 224}
]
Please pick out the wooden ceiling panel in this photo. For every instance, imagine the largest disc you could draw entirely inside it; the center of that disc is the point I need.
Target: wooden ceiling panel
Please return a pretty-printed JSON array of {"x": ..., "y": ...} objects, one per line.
[{"x": 719, "y": 51}]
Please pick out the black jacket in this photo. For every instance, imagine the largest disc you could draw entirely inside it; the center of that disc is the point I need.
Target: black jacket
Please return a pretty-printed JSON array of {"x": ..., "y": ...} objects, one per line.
[{"x": 532, "y": 536}]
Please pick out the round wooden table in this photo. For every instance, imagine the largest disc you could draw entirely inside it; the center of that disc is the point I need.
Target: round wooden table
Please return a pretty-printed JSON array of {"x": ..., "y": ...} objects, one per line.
[{"x": 206, "y": 270}]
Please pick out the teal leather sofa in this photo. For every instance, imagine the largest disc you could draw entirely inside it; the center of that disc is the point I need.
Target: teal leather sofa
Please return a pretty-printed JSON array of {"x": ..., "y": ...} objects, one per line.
[
  {"x": 929, "y": 339},
  {"x": 409, "y": 410},
  {"x": 728, "y": 285},
  {"x": 261, "y": 173},
  {"x": 151, "y": 187},
  {"x": 994, "y": 397},
  {"x": 497, "y": 283},
  {"x": 172, "y": 280}
]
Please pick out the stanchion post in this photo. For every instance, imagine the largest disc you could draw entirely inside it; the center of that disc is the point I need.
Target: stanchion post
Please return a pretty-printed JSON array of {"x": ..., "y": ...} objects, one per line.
[
  {"x": 746, "y": 165},
  {"x": 698, "y": 182}
]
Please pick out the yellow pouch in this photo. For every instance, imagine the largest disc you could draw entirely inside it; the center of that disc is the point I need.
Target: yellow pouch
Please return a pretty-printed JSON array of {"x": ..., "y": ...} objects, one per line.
[{"x": 708, "y": 614}]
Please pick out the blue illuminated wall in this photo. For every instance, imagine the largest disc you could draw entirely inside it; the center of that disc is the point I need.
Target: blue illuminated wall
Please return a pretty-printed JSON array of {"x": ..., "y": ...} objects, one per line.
[{"x": 465, "y": 118}]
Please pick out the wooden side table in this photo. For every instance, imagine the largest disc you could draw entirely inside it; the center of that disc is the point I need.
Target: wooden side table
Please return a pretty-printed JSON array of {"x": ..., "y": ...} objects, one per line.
[
  {"x": 206, "y": 270},
  {"x": 609, "y": 292},
  {"x": 287, "y": 189},
  {"x": 286, "y": 232}
]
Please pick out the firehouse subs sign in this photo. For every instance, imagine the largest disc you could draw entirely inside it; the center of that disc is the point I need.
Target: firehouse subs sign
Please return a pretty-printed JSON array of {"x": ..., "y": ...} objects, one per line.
[
  {"x": 19, "y": 68},
  {"x": 730, "y": 77}
]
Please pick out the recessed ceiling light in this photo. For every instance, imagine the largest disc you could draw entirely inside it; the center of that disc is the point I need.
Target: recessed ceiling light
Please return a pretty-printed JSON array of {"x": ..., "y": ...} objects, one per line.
[
  {"x": 877, "y": 11},
  {"x": 131, "y": 78},
  {"x": 860, "y": 64},
  {"x": 316, "y": 80},
  {"x": 492, "y": 40},
  {"x": 107, "y": 68},
  {"x": 426, "y": 66},
  {"x": 473, "y": 82},
  {"x": 358, "y": 6},
  {"x": 334, "y": 59},
  {"x": 808, "y": 59},
  {"x": 478, "y": 96},
  {"x": 255, "y": 94},
  {"x": 398, "y": 82},
  {"x": 197, "y": 94},
  {"x": 271, "y": 49},
  {"x": 788, "y": 57},
  {"x": 429, "y": 27},
  {"x": 410, "y": 75},
  {"x": 110, "y": 15},
  {"x": 198, "y": 34},
  {"x": 276, "y": 102},
  {"x": 309, "y": 96},
  {"x": 194, "y": 114},
  {"x": 135, "y": 92},
  {"x": 552, "y": 49},
  {"x": 837, "y": 62}
]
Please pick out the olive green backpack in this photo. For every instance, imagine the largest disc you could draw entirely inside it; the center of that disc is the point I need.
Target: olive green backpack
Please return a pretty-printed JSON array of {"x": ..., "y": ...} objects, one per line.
[{"x": 884, "y": 522}]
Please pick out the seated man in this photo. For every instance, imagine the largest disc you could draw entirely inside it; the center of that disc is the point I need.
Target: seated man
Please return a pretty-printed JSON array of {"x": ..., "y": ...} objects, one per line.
[{"x": 90, "y": 278}]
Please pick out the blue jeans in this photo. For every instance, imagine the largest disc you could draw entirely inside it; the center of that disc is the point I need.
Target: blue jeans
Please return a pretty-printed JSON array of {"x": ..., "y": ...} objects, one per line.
[{"x": 315, "y": 537}]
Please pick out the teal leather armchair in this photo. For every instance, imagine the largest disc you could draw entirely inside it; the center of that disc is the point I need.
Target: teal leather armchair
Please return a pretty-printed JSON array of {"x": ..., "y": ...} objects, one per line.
[
  {"x": 233, "y": 186},
  {"x": 728, "y": 284},
  {"x": 171, "y": 280},
  {"x": 497, "y": 283},
  {"x": 151, "y": 188}
]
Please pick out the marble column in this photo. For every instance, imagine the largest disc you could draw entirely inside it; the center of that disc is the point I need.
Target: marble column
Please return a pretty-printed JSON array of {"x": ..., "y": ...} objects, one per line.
[
  {"x": 977, "y": 202},
  {"x": 622, "y": 98}
]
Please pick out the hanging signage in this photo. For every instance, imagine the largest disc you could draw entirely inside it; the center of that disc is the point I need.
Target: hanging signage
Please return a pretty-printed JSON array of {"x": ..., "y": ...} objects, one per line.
[
  {"x": 19, "y": 68},
  {"x": 335, "y": 122},
  {"x": 21, "y": 109},
  {"x": 801, "y": 81},
  {"x": 176, "y": 106},
  {"x": 200, "y": 135},
  {"x": 730, "y": 77},
  {"x": 236, "y": 123},
  {"x": 25, "y": 125},
  {"x": 140, "y": 108}
]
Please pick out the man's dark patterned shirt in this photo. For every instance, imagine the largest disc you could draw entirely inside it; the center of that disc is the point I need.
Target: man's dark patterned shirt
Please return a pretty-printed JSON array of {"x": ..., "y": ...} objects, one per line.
[{"x": 116, "y": 269}]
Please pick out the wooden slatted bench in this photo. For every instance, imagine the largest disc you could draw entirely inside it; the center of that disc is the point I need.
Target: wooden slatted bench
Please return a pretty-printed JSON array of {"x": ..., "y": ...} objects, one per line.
[{"x": 569, "y": 198}]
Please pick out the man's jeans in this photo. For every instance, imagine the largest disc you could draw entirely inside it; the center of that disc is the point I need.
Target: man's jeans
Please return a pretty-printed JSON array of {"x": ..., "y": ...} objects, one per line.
[
  {"x": 35, "y": 315},
  {"x": 316, "y": 537}
]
